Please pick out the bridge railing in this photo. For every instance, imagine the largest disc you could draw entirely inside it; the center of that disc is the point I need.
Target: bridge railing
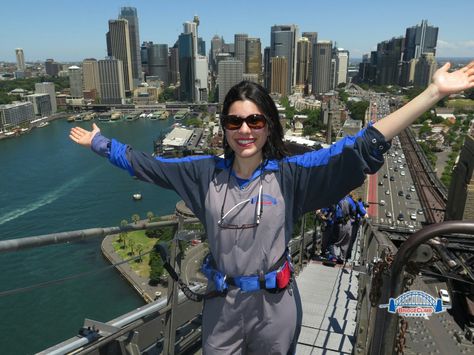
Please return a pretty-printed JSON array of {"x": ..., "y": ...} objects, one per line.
[{"x": 169, "y": 325}]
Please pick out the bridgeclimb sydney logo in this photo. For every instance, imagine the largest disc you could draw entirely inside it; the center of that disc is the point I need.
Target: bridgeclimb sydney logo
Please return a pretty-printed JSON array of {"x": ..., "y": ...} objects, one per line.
[{"x": 415, "y": 304}]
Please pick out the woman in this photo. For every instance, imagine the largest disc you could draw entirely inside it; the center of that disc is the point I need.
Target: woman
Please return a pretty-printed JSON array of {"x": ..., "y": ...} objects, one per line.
[{"x": 249, "y": 201}]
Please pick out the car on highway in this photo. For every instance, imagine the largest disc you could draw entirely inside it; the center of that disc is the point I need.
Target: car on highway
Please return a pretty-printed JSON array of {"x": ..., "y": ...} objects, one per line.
[
  {"x": 402, "y": 173},
  {"x": 444, "y": 295},
  {"x": 413, "y": 216},
  {"x": 400, "y": 193},
  {"x": 401, "y": 217},
  {"x": 382, "y": 202},
  {"x": 408, "y": 196},
  {"x": 419, "y": 211},
  {"x": 412, "y": 188},
  {"x": 385, "y": 176},
  {"x": 380, "y": 183},
  {"x": 387, "y": 192},
  {"x": 388, "y": 214},
  {"x": 392, "y": 178},
  {"x": 395, "y": 169}
]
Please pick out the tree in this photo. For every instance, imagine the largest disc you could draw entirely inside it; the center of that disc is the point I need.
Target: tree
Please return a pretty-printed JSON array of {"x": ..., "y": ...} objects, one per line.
[
  {"x": 135, "y": 218},
  {"x": 357, "y": 109},
  {"x": 166, "y": 95},
  {"x": 131, "y": 245},
  {"x": 123, "y": 234},
  {"x": 156, "y": 267},
  {"x": 139, "y": 252},
  {"x": 150, "y": 216}
]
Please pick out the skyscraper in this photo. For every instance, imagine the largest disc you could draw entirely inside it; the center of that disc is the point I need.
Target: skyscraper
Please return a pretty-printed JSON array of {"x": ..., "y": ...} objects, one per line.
[
  {"x": 112, "y": 83},
  {"x": 51, "y": 67},
  {"x": 75, "y": 81},
  {"x": 144, "y": 56},
  {"x": 186, "y": 67},
  {"x": 322, "y": 67},
  {"x": 239, "y": 47},
  {"x": 20, "y": 59},
  {"x": 420, "y": 39},
  {"x": 283, "y": 44},
  {"x": 90, "y": 77},
  {"x": 48, "y": 88},
  {"x": 389, "y": 55},
  {"x": 279, "y": 75},
  {"x": 158, "y": 62},
  {"x": 130, "y": 14},
  {"x": 313, "y": 39},
  {"x": 302, "y": 60},
  {"x": 230, "y": 73},
  {"x": 216, "y": 47},
  {"x": 120, "y": 48},
  {"x": 174, "y": 65},
  {"x": 342, "y": 64},
  {"x": 253, "y": 56},
  {"x": 267, "y": 68}
]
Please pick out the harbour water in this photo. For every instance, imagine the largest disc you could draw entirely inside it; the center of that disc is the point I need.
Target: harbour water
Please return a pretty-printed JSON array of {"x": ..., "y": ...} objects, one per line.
[{"x": 49, "y": 184}]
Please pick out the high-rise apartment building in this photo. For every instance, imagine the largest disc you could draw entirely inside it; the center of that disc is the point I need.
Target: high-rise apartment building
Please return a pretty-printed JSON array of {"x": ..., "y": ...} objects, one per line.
[
  {"x": 144, "y": 56},
  {"x": 279, "y": 75},
  {"x": 200, "y": 81},
  {"x": 239, "y": 47},
  {"x": 322, "y": 67},
  {"x": 20, "y": 59},
  {"x": 231, "y": 72},
  {"x": 157, "y": 55},
  {"x": 130, "y": 14},
  {"x": 302, "y": 61},
  {"x": 313, "y": 39},
  {"x": 283, "y": 44},
  {"x": 90, "y": 77},
  {"x": 341, "y": 57},
  {"x": 48, "y": 88},
  {"x": 201, "y": 47},
  {"x": 424, "y": 70},
  {"x": 120, "y": 49},
  {"x": 112, "y": 83},
  {"x": 75, "y": 81},
  {"x": 253, "y": 56},
  {"x": 420, "y": 39}
]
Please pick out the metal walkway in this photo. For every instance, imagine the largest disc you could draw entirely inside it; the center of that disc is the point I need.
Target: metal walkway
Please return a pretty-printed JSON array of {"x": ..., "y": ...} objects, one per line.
[{"x": 329, "y": 297}]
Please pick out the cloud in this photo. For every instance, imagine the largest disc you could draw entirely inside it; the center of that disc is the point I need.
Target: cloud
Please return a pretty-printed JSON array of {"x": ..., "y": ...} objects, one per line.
[{"x": 446, "y": 45}]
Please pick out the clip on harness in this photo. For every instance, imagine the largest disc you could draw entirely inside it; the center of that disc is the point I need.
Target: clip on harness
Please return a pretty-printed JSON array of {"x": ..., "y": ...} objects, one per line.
[{"x": 276, "y": 280}]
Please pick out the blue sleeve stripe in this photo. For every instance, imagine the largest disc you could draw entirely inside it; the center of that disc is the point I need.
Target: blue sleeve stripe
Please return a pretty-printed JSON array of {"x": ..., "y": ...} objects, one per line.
[
  {"x": 184, "y": 159},
  {"x": 118, "y": 156},
  {"x": 322, "y": 156}
]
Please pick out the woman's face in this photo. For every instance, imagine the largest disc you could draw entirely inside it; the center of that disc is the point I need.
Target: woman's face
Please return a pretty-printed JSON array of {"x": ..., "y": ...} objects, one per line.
[{"x": 246, "y": 142}]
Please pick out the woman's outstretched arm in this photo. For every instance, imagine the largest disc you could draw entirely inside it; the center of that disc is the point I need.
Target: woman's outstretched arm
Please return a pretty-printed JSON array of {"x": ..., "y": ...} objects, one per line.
[{"x": 443, "y": 84}]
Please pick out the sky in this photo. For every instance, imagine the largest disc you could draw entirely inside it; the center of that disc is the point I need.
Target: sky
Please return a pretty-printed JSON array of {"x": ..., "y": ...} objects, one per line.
[{"x": 70, "y": 31}]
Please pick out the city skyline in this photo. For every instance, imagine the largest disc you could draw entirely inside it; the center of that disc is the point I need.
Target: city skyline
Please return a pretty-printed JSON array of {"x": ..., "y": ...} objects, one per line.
[{"x": 45, "y": 32}]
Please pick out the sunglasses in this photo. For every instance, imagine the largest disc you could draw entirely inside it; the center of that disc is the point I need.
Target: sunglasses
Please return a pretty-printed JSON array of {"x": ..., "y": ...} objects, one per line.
[{"x": 233, "y": 122}]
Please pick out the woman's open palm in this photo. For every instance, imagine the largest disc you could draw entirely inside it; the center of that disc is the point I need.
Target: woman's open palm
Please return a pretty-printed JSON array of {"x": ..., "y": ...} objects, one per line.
[
  {"x": 82, "y": 136},
  {"x": 459, "y": 80}
]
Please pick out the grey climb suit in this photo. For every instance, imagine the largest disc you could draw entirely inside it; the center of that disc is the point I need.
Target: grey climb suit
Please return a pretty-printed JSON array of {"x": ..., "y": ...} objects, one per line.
[{"x": 256, "y": 322}]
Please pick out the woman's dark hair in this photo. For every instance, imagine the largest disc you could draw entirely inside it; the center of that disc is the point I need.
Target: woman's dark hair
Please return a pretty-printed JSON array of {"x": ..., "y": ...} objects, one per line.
[{"x": 274, "y": 148}]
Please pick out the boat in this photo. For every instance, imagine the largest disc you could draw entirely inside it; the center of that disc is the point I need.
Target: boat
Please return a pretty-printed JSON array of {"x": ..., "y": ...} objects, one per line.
[
  {"x": 165, "y": 114},
  {"x": 70, "y": 119},
  {"x": 137, "y": 196},
  {"x": 116, "y": 116},
  {"x": 90, "y": 116},
  {"x": 78, "y": 118},
  {"x": 43, "y": 124},
  {"x": 9, "y": 133},
  {"x": 180, "y": 114}
]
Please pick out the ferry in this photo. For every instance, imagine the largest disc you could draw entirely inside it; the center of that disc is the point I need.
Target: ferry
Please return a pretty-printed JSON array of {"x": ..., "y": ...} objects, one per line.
[
  {"x": 105, "y": 117},
  {"x": 90, "y": 116},
  {"x": 116, "y": 116},
  {"x": 180, "y": 114},
  {"x": 137, "y": 196},
  {"x": 43, "y": 124}
]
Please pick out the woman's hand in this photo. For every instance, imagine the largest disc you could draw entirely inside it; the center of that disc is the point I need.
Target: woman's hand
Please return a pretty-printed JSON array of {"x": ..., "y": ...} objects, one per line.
[
  {"x": 82, "y": 136},
  {"x": 451, "y": 83}
]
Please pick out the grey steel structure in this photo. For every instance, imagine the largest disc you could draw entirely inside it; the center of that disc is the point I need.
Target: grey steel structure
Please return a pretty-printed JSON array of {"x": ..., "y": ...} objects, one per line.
[
  {"x": 130, "y": 14},
  {"x": 230, "y": 73},
  {"x": 283, "y": 44},
  {"x": 239, "y": 47},
  {"x": 48, "y": 88},
  {"x": 75, "y": 81}
]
